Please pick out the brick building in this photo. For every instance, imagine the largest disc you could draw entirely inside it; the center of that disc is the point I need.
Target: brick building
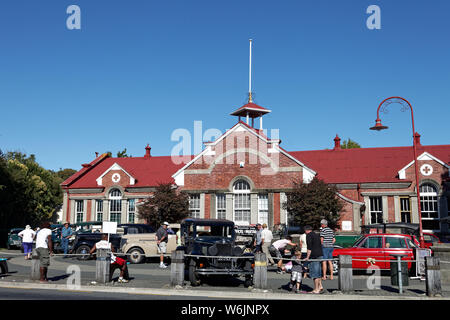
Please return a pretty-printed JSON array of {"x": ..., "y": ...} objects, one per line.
[{"x": 243, "y": 176}]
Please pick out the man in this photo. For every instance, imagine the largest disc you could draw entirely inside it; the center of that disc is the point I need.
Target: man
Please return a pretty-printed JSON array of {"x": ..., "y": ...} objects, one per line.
[
  {"x": 279, "y": 248},
  {"x": 27, "y": 236},
  {"x": 44, "y": 249},
  {"x": 258, "y": 238},
  {"x": 327, "y": 239},
  {"x": 162, "y": 237},
  {"x": 66, "y": 233},
  {"x": 314, "y": 252},
  {"x": 267, "y": 238},
  {"x": 104, "y": 244}
]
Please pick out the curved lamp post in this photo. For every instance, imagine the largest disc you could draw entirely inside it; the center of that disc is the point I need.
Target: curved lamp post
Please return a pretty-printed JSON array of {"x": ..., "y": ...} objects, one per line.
[{"x": 378, "y": 126}]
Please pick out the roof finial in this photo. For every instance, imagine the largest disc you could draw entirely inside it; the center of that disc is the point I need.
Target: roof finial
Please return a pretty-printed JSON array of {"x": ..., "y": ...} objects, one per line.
[{"x": 250, "y": 75}]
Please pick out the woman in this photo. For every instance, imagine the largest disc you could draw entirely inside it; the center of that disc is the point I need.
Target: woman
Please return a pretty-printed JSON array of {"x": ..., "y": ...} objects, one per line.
[{"x": 27, "y": 236}]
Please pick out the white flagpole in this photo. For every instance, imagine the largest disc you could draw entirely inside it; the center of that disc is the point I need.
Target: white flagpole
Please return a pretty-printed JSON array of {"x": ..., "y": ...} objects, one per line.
[{"x": 250, "y": 74}]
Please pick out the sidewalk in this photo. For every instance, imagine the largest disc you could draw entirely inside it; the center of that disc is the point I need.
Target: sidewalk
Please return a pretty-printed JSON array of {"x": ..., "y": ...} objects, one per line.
[{"x": 148, "y": 278}]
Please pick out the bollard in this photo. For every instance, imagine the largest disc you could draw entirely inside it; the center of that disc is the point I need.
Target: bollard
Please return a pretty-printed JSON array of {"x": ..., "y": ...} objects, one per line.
[
  {"x": 345, "y": 276},
  {"x": 102, "y": 266},
  {"x": 35, "y": 266},
  {"x": 260, "y": 271},
  {"x": 177, "y": 268},
  {"x": 433, "y": 276}
]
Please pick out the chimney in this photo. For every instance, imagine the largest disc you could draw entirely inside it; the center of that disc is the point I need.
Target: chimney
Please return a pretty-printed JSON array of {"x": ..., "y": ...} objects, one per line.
[
  {"x": 96, "y": 155},
  {"x": 147, "y": 151},
  {"x": 337, "y": 143},
  {"x": 417, "y": 139}
]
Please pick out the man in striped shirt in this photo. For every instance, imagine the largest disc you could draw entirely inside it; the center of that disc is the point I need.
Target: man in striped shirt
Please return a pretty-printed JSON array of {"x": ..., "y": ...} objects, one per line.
[{"x": 327, "y": 239}]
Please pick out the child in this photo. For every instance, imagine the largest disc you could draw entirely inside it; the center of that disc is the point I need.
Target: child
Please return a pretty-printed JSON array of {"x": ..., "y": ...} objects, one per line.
[{"x": 297, "y": 270}]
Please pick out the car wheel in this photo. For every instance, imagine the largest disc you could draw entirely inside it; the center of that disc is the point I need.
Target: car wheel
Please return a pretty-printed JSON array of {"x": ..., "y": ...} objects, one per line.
[
  {"x": 84, "y": 252},
  {"x": 136, "y": 255},
  {"x": 248, "y": 282},
  {"x": 193, "y": 278},
  {"x": 335, "y": 267}
]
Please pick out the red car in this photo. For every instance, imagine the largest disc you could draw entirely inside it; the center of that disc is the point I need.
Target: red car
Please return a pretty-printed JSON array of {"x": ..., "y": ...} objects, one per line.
[
  {"x": 376, "y": 249},
  {"x": 430, "y": 239}
]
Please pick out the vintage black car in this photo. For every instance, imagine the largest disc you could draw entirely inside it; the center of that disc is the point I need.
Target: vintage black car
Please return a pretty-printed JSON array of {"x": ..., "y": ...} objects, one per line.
[
  {"x": 204, "y": 239},
  {"x": 85, "y": 241}
]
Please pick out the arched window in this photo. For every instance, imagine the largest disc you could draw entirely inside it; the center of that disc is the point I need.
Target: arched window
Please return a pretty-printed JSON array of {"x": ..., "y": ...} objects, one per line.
[
  {"x": 115, "y": 205},
  {"x": 242, "y": 204},
  {"x": 429, "y": 207}
]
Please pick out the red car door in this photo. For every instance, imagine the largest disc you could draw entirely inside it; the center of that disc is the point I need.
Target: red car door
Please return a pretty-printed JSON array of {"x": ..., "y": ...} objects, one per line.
[
  {"x": 396, "y": 244},
  {"x": 371, "y": 248}
]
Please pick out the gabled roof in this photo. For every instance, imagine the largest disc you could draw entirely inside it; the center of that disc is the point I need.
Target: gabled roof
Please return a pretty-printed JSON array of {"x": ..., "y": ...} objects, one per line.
[
  {"x": 148, "y": 171},
  {"x": 365, "y": 165}
]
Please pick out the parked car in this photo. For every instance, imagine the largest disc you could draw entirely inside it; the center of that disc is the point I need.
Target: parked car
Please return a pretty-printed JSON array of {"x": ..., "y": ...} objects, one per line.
[
  {"x": 139, "y": 246},
  {"x": 430, "y": 239},
  {"x": 85, "y": 241},
  {"x": 213, "y": 237},
  {"x": 14, "y": 241},
  {"x": 378, "y": 248},
  {"x": 136, "y": 228}
]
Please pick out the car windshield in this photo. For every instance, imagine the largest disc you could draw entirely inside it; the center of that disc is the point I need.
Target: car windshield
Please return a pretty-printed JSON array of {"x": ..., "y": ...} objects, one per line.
[
  {"x": 358, "y": 241},
  {"x": 215, "y": 231}
]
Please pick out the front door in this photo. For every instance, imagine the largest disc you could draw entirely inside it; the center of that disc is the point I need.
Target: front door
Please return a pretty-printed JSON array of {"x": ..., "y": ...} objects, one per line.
[{"x": 369, "y": 250}]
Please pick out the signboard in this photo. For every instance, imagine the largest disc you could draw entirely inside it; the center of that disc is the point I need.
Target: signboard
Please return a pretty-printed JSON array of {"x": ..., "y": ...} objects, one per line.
[
  {"x": 244, "y": 234},
  {"x": 420, "y": 257},
  {"x": 109, "y": 227},
  {"x": 346, "y": 226}
]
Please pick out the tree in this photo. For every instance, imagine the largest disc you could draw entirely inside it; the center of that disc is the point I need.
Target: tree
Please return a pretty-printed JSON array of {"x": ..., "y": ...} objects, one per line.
[
  {"x": 166, "y": 205},
  {"x": 123, "y": 154},
  {"x": 308, "y": 203},
  {"x": 350, "y": 144}
]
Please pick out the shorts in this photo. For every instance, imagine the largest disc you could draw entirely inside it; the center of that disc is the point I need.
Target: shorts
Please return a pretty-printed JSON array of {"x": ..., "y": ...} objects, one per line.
[
  {"x": 44, "y": 257},
  {"x": 119, "y": 261},
  {"x": 27, "y": 247},
  {"x": 315, "y": 268},
  {"x": 162, "y": 247},
  {"x": 296, "y": 276},
  {"x": 275, "y": 252},
  {"x": 327, "y": 252}
]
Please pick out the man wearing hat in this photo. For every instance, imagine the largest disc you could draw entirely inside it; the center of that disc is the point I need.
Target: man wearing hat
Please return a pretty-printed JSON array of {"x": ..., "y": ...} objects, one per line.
[
  {"x": 258, "y": 238},
  {"x": 327, "y": 239},
  {"x": 162, "y": 237},
  {"x": 66, "y": 233}
]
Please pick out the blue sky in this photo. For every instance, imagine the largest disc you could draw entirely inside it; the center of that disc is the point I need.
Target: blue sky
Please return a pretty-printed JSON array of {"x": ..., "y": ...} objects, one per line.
[{"x": 138, "y": 70}]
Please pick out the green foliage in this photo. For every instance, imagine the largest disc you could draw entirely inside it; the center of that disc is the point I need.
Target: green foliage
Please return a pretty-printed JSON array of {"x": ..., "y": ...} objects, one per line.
[
  {"x": 166, "y": 205},
  {"x": 123, "y": 154},
  {"x": 308, "y": 203},
  {"x": 29, "y": 193},
  {"x": 350, "y": 144}
]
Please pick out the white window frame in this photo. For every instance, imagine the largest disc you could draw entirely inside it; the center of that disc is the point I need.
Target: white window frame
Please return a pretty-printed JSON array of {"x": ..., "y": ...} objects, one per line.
[
  {"x": 194, "y": 205},
  {"x": 115, "y": 202},
  {"x": 221, "y": 206},
  {"x": 79, "y": 210},
  {"x": 376, "y": 208},
  {"x": 431, "y": 198},
  {"x": 242, "y": 206},
  {"x": 131, "y": 211},
  {"x": 97, "y": 210},
  {"x": 263, "y": 208}
]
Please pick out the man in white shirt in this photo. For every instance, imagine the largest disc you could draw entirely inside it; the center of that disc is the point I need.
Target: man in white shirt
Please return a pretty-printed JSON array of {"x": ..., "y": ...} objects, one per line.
[
  {"x": 44, "y": 248},
  {"x": 121, "y": 263},
  {"x": 267, "y": 238}
]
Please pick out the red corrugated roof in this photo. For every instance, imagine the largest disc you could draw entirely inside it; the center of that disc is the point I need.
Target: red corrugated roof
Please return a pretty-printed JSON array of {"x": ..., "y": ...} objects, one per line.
[
  {"x": 147, "y": 171},
  {"x": 365, "y": 164}
]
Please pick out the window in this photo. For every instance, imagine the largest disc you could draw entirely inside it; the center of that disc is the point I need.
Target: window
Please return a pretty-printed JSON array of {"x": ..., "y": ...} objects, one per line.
[
  {"x": 79, "y": 209},
  {"x": 221, "y": 206},
  {"x": 429, "y": 207},
  {"x": 405, "y": 209},
  {"x": 194, "y": 205},
  {"x": 115, "y": 206},
  {"x": 131, "y": 210},
  {"x": 241, "y": 186},
  {"x": 373, "y": 243},
  {"x": 395, "y": 243},
  {"x": 99, "y": 209},
  {"x": 376, "y": 210},
  {"x": 241, "y": 201},
  {"x": 263, "y": 208}
]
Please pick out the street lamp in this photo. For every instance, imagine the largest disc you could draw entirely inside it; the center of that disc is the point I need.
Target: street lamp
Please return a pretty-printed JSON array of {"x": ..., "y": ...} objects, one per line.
[{"x": 378, "y": 126}]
